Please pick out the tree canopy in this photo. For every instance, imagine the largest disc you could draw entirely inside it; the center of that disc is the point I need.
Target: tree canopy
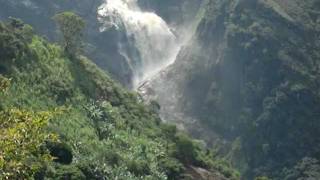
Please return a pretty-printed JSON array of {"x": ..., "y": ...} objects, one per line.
[{"x": 71, "y": 26}]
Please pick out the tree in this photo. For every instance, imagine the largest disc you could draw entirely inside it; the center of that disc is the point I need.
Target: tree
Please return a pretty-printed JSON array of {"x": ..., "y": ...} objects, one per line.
[
  {"x": 12, "y": 44},
  {"x": 71, "y": 27}
]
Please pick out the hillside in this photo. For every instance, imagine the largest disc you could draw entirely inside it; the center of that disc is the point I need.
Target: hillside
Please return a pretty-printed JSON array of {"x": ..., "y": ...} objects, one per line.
[
  {"x": 110, "y": 48},
  {"x": 39, "y": 13},
  {"x": 242, "y": 76},
  {"x": 104, "y": 131},
  {"x": 250, "y": 76}
]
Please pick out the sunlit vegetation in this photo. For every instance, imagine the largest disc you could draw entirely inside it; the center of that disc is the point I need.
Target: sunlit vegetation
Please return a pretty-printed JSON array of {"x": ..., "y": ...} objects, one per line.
[
  {"x": 104, "y": 131},
  {"x": 22, "y": 141},
  {"x": 250, "y": 74}
]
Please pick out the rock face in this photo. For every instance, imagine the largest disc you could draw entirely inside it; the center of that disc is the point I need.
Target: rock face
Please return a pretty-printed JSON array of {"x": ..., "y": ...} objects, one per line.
[{"x": 250, "y": 71}]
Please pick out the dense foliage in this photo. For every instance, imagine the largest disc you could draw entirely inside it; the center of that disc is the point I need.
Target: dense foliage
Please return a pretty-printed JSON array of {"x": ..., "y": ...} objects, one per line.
[
  {"x": 255, "y": 66},
  {"x": 22, "y": 138},
  {"x": 102, "y": 48},
  {"x": 105, "y": 132},
  {"x": 250, "y": 75},
  {"x": 22, "y": 135},
  {"x": 71, "y": 27}
]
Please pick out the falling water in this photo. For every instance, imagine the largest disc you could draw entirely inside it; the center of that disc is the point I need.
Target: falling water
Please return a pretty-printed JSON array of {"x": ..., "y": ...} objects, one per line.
[{"x": 150, "y": 34}]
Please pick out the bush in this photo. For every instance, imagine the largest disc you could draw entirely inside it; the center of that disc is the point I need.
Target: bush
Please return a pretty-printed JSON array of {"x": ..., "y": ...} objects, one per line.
[
  {"x": 172, "y": 167},
  {"x": 61, "y": 151},
  {"x": 61, "y": 89},
  {"x": 113, "y": 158},
  {"x": 22, "y": 137},
  {"x": 186, "y": 150},
  {"x": 169, "y": 130},
  {"x": 4, "y": 83},
  {"x": 138, "y": 167},
  {"x": 68, "y": 172}
]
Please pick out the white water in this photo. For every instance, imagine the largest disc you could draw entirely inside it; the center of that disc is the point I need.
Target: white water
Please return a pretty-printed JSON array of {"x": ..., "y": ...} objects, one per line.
[{"x": 152, "y": 36}]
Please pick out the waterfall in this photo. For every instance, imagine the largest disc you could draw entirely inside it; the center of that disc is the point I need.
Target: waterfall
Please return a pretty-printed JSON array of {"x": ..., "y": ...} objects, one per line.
[{"x": 151, "y": 35}]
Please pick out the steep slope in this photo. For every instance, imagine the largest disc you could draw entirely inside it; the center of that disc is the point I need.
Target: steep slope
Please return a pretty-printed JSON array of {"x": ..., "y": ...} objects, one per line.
[
  {"x": 102, "y": 47},
  {"x": 114, "y": 48},
  {"x": 105, "y": 132},
  {"x": 252, "y": 72}
]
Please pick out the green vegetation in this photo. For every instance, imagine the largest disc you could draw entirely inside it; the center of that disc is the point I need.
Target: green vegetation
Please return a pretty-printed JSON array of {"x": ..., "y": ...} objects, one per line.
[
  {"x": 4, "y": 84},
  {"x": 103, "y": 130},
  {"x": 21, "y": 137},
  {"x": 251, "y": 76},
  {"x": 262, "y": 90},
  {"x": 71, "y": 27}
]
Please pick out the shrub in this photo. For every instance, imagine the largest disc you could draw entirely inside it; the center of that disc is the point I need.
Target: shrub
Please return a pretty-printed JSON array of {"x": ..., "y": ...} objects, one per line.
[
  {"x": 172, "y": 167},
  {"x": 186, "y": 150},
  {"x": 69, "y": 172},
  {"x": 61, "y": 152},
  {"x": 138, "y": 167},
  {"x": 113, "y": 158},
  {"x": 22, "y": 137},
  {"x": 4, "y": 83}
]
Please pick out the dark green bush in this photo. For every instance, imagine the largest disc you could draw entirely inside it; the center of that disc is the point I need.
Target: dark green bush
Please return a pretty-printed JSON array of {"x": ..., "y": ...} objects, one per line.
[
  {"x": 61, "y": 89},
  {"x": 186, "y": 149},
  {"x": 138, "y": 167},
  {"x": 113, "y": 158},
  {"x": 61, "y": 152},
  {"x": 172, "y": 167},
  {"x": 12, "y": 46},
  {"x": 68, "y": 172}
]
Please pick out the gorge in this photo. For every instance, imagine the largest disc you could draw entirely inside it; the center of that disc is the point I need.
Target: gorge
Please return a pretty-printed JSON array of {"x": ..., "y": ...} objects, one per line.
[{"x": 239, "y": 76}]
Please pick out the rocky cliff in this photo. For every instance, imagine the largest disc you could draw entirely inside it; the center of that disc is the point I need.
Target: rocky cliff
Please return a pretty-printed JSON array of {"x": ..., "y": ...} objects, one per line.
[{"x": 251, "y": 71}]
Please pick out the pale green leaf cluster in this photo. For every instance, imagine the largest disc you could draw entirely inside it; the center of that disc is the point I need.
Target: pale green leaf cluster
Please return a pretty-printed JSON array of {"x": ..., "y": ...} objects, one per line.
[{"x": 22, "y": 138}]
